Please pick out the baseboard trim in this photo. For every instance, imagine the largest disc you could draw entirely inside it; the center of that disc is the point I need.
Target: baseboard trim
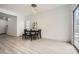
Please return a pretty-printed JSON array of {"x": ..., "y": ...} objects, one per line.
[{"x": 56, "y": 40}]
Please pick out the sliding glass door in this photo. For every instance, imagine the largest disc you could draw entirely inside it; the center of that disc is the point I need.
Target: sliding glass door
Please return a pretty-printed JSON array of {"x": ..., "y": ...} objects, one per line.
[{"x": 76, "y": 27}]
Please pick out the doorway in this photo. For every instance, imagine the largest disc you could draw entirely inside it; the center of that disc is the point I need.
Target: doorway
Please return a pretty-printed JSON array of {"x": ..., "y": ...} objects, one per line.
[{"x": 8, "y": 24}]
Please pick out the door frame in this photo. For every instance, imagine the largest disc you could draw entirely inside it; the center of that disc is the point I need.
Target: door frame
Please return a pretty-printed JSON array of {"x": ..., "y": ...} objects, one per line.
[{"x": 74, "y": 27}]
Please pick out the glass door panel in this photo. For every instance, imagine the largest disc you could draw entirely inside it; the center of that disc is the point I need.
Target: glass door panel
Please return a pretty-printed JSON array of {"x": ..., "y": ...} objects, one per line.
[{"x": 76, "y": 27}]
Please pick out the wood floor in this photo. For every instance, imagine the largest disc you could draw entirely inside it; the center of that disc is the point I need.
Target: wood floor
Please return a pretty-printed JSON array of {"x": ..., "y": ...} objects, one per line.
[{"x": 15, "y": 45}]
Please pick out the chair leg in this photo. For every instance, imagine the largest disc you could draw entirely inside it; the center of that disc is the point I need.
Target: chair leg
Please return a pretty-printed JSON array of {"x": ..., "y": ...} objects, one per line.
[
  {"x": 31, "y": 38},
  {"x": 25, "y": 36},
  {"x": 38, "y": 36},
  {"x": 22, "y": 37}
]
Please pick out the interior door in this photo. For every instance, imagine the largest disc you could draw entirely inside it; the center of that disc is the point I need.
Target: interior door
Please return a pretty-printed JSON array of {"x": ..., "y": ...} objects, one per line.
[{"x": 76, "y": 26}]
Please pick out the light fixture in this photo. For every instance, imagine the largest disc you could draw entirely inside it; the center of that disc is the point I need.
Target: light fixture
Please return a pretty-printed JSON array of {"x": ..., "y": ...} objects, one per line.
[
  {"x": 34, "y": 8},
  {"x": 34, "y": 5}
]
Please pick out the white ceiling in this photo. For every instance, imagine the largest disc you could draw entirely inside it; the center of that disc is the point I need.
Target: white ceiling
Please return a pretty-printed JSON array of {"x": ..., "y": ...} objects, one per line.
[{"x": 26, "y": 8}]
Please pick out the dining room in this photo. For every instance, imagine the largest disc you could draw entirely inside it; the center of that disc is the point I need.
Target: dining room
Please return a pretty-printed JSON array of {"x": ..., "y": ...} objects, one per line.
[{"x": 38, "y": 29}]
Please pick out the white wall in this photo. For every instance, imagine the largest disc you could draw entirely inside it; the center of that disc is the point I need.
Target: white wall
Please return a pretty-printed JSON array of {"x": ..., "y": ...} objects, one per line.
[
  {"x": 55, "y": 23},
  {"x": 3, "y": 24},
  {"x": 20, "y": 24},
  {"x": 20, "y": 21},
  {"x": 12, "y": 26}
]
